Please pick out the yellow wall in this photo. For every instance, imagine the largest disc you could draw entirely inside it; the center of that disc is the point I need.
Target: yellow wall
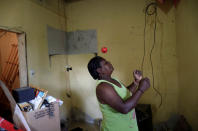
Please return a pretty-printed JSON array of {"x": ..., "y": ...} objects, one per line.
[
  {"x": 186, "y": 30},
  {"x": 33, "y": 19},
  {"x": 120, "y": 26}
]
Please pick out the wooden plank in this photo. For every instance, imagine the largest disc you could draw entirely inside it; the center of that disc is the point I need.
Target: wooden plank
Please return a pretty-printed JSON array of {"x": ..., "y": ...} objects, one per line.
[
  {"x": 22, "y": 61},
  {"x": 11, "y": 70},
  {"x": 18, "y": 117},
  {"x": 5, "y": 68}
]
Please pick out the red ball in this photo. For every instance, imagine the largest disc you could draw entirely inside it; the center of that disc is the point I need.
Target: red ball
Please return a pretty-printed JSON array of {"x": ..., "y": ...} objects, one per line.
[{"x": 104, "y": 49}]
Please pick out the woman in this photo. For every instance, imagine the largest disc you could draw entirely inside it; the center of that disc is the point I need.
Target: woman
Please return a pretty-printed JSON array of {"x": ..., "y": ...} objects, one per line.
[{"x": 116, "y": 102}]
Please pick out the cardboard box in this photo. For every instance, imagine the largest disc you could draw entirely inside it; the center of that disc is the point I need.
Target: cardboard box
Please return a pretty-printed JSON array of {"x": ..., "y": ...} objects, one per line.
[{"x": 46, "y": 119}]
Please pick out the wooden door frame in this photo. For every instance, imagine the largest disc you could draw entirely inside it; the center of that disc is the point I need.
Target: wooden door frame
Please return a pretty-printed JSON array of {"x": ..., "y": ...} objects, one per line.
[
  {"x": 23, "y": 68},
  {"x": 22, "y": 54}
]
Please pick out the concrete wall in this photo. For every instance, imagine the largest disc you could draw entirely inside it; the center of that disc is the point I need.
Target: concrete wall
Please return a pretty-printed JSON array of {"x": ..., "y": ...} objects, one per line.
[
  {"x": 120, "y": 26},
  {"x": 186, "y": 30}
]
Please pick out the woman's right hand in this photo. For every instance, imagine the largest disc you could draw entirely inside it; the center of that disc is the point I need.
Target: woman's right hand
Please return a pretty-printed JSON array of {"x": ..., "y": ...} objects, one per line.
[
  {"x": 144, "y": 84},
  {"x": 137, "y": 74}
]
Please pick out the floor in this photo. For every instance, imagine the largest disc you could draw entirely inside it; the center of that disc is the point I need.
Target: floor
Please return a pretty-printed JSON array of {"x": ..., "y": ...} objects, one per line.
[{"x": 82, "y": 126}]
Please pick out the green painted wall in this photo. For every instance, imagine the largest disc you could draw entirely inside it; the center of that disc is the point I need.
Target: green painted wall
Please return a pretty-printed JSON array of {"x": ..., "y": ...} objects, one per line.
[{"x": 186, "y": 30}]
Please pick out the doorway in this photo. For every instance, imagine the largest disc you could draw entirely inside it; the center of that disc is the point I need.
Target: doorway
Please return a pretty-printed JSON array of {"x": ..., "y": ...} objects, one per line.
[{"x": 13, "y": 66}]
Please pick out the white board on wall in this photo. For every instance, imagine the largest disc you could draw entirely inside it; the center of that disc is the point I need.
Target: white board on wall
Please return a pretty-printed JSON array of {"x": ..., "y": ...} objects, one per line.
[{"x": 76, "y": 42}]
